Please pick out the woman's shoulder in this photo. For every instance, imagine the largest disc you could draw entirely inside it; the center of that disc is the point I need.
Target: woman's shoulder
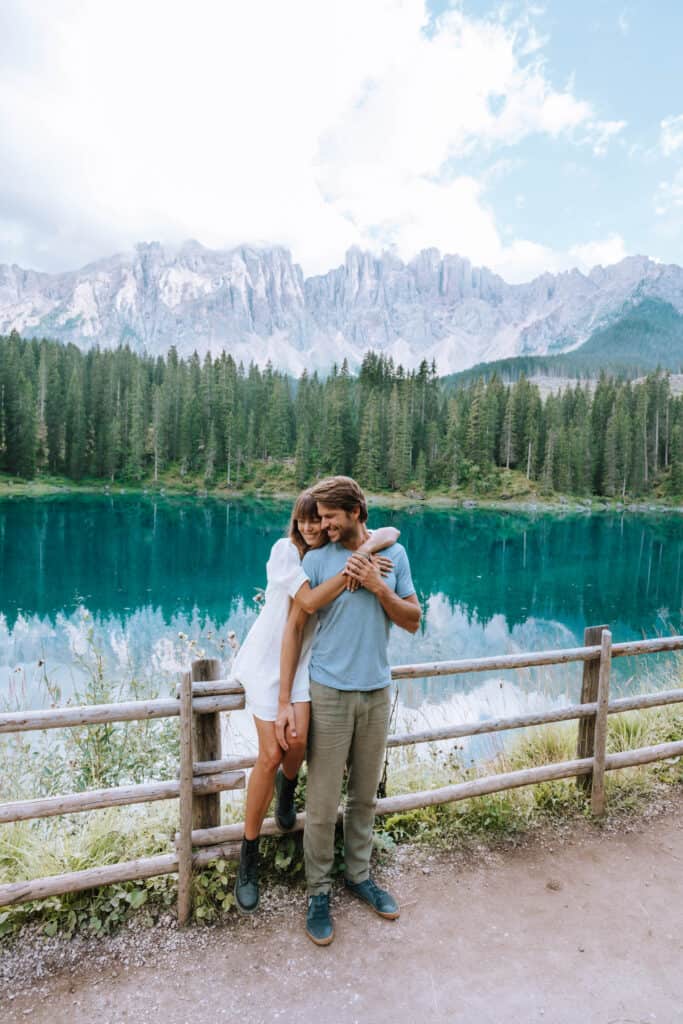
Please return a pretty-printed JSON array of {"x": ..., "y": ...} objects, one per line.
[
  {"x": 284, "y": 553},
  {"x": 283, "y": 545}
]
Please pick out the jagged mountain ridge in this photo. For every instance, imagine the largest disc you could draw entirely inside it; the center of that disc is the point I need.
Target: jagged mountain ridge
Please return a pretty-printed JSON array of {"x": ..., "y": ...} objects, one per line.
[
  {"x": 646, "y": 336},
  {"x": 257, "y": 304}
]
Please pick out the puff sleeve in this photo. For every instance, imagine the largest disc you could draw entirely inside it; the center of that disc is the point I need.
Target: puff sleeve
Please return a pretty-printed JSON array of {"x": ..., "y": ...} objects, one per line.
[{"x": 283, "y": 569}]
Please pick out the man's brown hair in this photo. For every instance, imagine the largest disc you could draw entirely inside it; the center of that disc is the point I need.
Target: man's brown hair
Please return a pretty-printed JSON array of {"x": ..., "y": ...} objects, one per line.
[{"x": 341, "y": 492}]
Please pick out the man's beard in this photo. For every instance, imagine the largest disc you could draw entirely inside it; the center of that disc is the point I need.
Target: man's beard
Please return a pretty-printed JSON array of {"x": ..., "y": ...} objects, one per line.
[{"x": 345, "y": 533}]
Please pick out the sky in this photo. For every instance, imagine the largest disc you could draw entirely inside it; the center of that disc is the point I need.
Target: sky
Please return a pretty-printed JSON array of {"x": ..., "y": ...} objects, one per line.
[{"x": 527, "y": 137}]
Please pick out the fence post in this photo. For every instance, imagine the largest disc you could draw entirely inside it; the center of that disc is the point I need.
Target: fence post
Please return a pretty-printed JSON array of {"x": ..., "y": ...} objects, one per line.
[
  {"x": 600, "y": 743},
  {"x": 184, "y": 842},
  {"x": 206, "y": 745},
  {"x": 592, "y": 635}
]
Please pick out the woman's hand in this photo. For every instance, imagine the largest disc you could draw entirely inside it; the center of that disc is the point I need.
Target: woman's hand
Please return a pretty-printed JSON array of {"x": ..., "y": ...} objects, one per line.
[
  {"x": 284, "y": 723},
  {"x": 385, "y": 565}
]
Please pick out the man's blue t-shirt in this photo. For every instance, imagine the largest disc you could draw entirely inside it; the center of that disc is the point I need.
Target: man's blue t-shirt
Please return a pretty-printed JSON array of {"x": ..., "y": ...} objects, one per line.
[{"x": 350, "y": 643}]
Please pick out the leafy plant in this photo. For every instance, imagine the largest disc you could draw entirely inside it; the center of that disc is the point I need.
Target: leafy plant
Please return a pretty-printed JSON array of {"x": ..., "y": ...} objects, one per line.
[{"x": 212, "y": 892}]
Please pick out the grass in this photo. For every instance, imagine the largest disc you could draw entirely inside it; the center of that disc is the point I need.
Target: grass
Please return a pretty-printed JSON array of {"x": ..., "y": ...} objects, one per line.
[
  {"x": 502, "y": 487},
  {"x": 113, "y": 755}
]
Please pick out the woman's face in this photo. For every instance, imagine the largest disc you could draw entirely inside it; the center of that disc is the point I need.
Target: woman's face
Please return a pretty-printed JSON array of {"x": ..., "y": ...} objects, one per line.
[{"x": 312, "y": 533}]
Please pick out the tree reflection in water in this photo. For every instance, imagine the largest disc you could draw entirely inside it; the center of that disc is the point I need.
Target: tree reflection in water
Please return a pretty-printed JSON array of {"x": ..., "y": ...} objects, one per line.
[{"x": 148, "y": 568}]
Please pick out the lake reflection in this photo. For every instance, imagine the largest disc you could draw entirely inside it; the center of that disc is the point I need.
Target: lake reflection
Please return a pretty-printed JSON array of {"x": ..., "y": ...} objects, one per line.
[{"x": 127, "y": 575}]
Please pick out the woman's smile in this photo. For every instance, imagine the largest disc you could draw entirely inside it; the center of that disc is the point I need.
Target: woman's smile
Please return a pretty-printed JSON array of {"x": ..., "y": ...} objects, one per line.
[{"x": 311, "y": 531}]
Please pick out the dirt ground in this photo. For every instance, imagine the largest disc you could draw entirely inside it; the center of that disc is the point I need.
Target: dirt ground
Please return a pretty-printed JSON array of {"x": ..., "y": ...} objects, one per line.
[{"x": 584, "y": 927}]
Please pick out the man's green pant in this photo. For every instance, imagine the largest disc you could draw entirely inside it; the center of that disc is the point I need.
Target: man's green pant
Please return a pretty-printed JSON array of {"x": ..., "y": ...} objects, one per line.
[{"x": 348, "y": 729}]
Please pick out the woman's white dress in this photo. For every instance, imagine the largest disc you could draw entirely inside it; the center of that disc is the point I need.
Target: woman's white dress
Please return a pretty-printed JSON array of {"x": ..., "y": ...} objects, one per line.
[{"x": 257, "y": 664}]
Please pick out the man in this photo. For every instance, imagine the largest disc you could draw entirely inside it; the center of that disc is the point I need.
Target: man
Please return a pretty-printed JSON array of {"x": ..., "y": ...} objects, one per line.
[{"x": 350, "y": 699}]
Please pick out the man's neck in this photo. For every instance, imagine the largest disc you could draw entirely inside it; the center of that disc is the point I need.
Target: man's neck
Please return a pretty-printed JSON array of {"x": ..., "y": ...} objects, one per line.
[{"x": 353, "y": 542}]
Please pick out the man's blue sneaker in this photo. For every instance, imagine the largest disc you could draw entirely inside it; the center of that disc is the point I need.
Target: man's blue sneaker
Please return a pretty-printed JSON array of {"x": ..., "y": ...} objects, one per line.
[
  {"x": 319, "y": 927},
  {"x": 381, "y": 901}
]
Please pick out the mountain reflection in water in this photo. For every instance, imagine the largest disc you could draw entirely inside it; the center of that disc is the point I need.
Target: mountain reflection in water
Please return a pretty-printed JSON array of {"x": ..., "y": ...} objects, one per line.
[{"x": 134, "y": 572}]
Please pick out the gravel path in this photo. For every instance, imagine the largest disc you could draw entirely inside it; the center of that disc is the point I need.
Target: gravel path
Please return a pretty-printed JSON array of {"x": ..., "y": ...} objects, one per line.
[{"x": 583, "y": 926}]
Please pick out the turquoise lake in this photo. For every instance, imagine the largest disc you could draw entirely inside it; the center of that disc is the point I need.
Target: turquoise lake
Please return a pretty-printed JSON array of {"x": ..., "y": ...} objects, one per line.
[{"x": 132, "y": 576}]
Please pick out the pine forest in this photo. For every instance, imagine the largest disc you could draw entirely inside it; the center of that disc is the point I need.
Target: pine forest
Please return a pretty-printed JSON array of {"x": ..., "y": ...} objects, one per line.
[{"x": 117, "y": 416}]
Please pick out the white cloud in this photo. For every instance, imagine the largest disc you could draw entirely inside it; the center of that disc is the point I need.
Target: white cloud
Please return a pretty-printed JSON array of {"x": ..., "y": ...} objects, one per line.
[
  {"x": 316, "y": 125},
  {"x": 601, "y": 133},
  {"x": 603, "y": 251},
  {"x": 669, "y": 196},
  {"x": 523, "y": 260},
  {"x": 671, "y": 137}
]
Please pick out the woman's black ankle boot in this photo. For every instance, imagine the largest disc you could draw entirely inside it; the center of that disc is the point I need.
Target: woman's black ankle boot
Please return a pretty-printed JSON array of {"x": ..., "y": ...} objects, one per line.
[
  {"x": 285, "y": 811},
  {"x": 246, "y": 883}
]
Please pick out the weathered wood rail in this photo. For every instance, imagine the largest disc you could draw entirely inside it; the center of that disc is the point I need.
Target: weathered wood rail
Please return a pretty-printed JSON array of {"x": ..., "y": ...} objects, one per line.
[{"x": 204, "y": 773}]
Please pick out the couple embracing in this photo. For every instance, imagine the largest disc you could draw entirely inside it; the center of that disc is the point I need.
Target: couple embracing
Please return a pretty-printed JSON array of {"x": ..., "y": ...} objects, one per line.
[{"x": 330, "y": 600}]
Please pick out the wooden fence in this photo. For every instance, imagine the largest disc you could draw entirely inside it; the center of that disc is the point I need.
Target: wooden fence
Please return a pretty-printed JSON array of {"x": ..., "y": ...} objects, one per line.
[{"x": 204, "y": 773}]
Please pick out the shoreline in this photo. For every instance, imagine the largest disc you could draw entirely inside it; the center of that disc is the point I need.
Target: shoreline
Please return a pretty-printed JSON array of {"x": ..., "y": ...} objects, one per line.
[{"x": 51, "y": 487}]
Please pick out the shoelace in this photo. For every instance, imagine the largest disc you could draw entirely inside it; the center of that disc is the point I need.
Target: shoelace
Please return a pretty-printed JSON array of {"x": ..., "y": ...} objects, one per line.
[
  {"x": 319, "y": 906},
  {"x": 249, "y": 870},
  {"x": 370, "y": 887}
]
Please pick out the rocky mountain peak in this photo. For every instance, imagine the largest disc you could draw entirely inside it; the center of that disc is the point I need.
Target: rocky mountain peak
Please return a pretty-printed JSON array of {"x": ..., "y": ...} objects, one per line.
[{"x": 256, "y": 303}]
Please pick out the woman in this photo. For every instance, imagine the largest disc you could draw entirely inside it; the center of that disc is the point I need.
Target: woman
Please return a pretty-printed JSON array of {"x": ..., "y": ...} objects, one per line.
[{"x": 257, "y": 667}]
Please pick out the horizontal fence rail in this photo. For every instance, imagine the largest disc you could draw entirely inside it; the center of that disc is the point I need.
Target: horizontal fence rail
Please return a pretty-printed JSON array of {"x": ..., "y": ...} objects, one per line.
[
  {"x": 512, "y": 661},
  {"x": 225, "y": 834},
  {"x": 452, "y": 732},
  {"x": 100, "y": 714},
  {"x": 204, "y": 773},
  {"x": 95, "y": 799},
  {"x": 228, "y": 697}
]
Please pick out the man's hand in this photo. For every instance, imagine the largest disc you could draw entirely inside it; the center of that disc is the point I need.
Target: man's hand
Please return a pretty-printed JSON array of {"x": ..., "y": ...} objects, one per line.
[
  {"x": 285, "y": 722},
  {"x": 366, "y": 571}
]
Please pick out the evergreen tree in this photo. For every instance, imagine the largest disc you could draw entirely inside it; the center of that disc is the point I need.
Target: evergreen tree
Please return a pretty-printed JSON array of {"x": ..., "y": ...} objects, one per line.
[
  {"x": 278, "y": 426},
  {"x": 508, "y": 440},
  {"x": 74, "y": 427},
  {"x": 138, "y": 433},
  {"x": 640, "y": 471},
  {"x": 20, "y": 428},
  {"x": 369, "y": 453},
  {"x": 54, "y": 411},
  {"x": 191, "y": 440},
  {"x": 618, "y": 448},
  {"x": 399, "y": 451},
  {"x": 676, "y": 473}
]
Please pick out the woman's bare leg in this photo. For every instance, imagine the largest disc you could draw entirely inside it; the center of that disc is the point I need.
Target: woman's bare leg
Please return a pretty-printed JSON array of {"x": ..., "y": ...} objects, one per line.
[
  {"x": 293, "y": 758},
  {"x": 262, "y": 778},
  {"x": 270, "y": 756}
]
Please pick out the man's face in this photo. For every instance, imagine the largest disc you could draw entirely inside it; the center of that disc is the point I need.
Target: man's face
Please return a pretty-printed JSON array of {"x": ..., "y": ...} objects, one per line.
[{"x": 340, "y": 525}]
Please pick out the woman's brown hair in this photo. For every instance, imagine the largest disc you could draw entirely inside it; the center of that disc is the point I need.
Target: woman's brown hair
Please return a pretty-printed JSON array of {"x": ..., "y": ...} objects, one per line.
[{"x": 305, "y": 507}]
